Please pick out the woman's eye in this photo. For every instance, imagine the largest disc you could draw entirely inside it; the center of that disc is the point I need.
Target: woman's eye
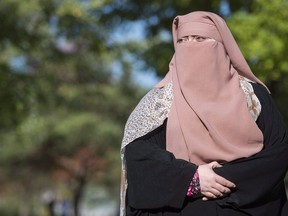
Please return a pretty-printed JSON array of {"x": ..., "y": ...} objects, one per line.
[
  {"x": 183, "y": 39},
  {"x": 200, "y": 38},
  {"x": 192, "y": 38}
]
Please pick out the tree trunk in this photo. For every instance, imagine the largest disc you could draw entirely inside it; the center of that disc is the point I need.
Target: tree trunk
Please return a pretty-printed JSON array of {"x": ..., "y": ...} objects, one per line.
[{"x": 78, "y": 194}]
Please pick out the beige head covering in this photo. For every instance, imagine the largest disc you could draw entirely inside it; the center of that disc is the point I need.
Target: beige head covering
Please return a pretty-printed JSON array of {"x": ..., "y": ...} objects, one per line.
[{"x": 209, "y": 119}]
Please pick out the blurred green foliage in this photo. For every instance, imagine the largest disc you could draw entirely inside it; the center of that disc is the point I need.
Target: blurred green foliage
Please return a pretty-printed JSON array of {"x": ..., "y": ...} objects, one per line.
[
  {"x": 262, "y": 36},
  {"x": 62, "y": 111},
  {"x": 63, "y": 107}
]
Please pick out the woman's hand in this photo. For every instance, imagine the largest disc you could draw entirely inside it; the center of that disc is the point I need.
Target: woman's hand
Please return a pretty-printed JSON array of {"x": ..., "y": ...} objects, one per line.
[{"x": 212, "y": 185}]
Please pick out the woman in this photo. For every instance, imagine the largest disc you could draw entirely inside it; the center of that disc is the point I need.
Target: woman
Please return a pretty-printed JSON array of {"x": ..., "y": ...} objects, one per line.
[{"x": 208, "y": 139}]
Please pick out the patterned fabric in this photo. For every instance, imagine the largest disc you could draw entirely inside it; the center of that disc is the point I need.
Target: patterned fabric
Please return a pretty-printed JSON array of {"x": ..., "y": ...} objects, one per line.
[
  {"x": 253, "y": 103},
  {"x": 149, "y": 114},
  {"x": 194, "y": 187}
]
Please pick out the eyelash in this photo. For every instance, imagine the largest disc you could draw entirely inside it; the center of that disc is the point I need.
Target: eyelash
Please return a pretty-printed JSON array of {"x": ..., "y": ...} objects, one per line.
[{"x": 191, "y": 38}]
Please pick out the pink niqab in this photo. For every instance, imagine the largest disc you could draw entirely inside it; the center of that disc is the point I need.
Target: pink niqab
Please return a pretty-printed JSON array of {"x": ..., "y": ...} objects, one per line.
[{"x": 209, "y": 119}]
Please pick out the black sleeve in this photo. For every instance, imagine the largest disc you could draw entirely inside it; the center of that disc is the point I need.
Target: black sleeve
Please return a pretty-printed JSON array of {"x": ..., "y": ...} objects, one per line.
[
  {"x": 156, "y": 179},
  {"x": 259, "y": 176}
]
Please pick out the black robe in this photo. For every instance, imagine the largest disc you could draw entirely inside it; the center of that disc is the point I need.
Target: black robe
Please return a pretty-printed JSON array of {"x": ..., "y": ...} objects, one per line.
[{"x": 158, "y": 182}]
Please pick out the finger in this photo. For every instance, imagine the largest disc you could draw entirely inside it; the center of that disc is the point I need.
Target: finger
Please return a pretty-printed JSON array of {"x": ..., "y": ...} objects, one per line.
[
  {"x": 214, "y": 193},
  {"x": 215, "y": 164},
  {"x": 209, "y": 195},
  {"x": 222, "y": 189},
  {"x": 224, "y": 182}
]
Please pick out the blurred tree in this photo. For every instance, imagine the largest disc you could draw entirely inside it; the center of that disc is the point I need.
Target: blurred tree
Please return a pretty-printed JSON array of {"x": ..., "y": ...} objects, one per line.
[
  {"x": 62, "y": 108},
  {"x": 262, "y": 36}
]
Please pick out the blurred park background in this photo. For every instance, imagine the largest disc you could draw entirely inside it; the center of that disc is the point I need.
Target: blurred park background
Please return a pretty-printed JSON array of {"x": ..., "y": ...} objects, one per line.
[{"x": 71, "y": 71}]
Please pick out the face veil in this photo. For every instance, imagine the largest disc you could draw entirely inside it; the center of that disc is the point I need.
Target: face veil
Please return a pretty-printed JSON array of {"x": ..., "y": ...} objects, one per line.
[{"x": 209, "y": 119}]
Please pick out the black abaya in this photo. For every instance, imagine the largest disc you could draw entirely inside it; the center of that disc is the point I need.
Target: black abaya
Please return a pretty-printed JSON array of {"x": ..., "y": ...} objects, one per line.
[{"x": 158, "y": 182}]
